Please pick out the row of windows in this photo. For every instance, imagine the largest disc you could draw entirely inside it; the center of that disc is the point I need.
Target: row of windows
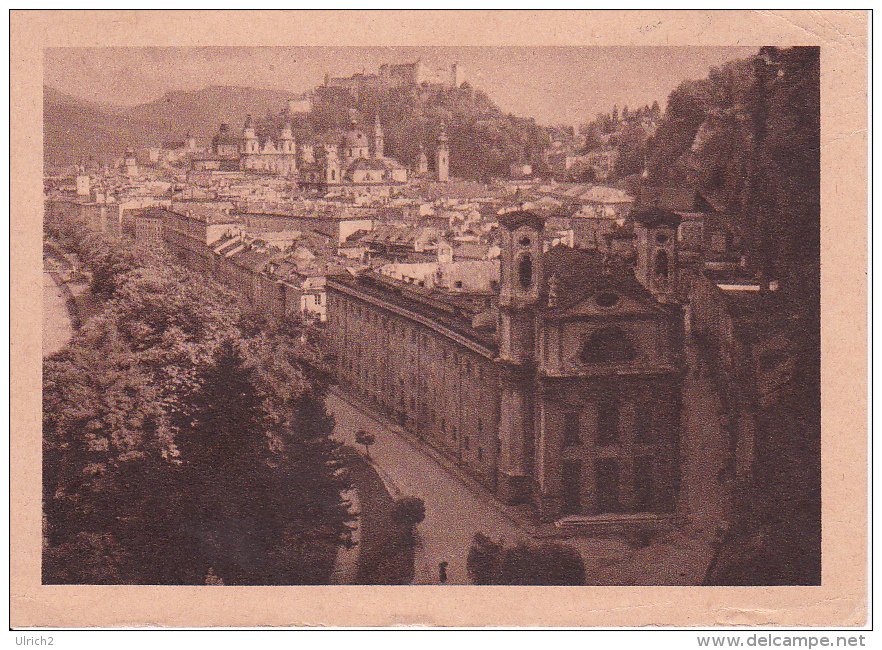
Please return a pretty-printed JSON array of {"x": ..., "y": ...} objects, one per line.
[
  {"x": 607, "y": 485},
  {"x": 431, "y": 414},
  {"x": 405, "y": 332},
  {"x": 608, "y": 425}
]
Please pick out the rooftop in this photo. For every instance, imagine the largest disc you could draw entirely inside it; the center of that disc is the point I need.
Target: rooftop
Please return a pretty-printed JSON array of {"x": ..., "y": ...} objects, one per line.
[{"x": 452, "y": 311}]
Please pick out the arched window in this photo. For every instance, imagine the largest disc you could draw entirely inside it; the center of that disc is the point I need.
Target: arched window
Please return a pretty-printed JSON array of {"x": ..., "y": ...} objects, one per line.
[
  {"x": 525, "y": 270},
  {"x": 661, "y": 264},
  {"x": 609, "y": 345},
  {"x": 333, "y": 174}
]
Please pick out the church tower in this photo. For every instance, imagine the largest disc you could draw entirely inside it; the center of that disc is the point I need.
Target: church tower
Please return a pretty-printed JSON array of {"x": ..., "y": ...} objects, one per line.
[
  {"x": 83, "y": 188},
  {"x": 191, "y": 143},
  {"x": 131, "y": 163},
  {"x": 378, "y": 139},
  {"x": 657, "y": 263},
  {"x": 287, "y": 139},
  {"x": 442, "y": 157},
  {"x": 249, "y": 137},
  {"x": 519, "y": 302},
  {"x": 332, "y": 165}
]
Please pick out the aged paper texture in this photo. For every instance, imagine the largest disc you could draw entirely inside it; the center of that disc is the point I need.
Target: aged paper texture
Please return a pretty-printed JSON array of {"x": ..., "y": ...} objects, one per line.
[{"x": 841, "y": 599}]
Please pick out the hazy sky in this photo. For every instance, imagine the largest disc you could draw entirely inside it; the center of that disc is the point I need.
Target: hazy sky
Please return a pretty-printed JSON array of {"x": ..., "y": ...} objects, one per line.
[{"x": 552, "y": 84}]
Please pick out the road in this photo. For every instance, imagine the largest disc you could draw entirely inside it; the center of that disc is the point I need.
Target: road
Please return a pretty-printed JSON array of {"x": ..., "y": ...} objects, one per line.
[
  {"x": 453, "y": 513},
  {"x": 705, "y": 445},
  {"x": 57, "y": 325}
]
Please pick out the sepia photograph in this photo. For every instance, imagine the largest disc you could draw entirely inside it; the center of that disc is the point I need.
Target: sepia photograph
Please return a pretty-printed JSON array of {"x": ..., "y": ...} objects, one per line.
[{"x": 433, "y": 315}]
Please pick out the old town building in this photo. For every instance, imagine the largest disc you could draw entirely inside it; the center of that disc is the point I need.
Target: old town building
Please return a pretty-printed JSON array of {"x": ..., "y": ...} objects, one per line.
[{"x": 562, "y": 388}]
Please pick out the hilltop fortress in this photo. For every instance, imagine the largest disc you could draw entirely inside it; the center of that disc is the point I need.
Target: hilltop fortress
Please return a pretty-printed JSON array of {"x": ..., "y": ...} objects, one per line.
[{"x": 397, "y": 76}]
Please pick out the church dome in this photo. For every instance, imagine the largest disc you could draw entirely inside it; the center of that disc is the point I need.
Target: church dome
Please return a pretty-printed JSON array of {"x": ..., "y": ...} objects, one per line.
[{"x": 356, "y": 139}]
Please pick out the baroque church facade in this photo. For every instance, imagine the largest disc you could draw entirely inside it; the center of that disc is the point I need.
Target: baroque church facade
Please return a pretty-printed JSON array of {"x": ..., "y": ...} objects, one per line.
[{"x": 563, "y": 389}]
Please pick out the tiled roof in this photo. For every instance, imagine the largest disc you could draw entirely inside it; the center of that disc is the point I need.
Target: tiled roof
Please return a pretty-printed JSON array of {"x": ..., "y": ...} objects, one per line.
[
  {"x": 369, "y": 164},
  {"x": 448, "y": 311},
  {"x": 514, "y": 220},
  {"x": 651, "y": 217},
  {"x": 580, "y": 274}
]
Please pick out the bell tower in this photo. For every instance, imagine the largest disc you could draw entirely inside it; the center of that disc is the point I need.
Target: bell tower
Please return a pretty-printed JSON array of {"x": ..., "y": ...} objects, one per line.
[
  {"x": 657, "y": 264},
  {"x": 287, "y": 139},
  {"x": 249, "y": 137},
  {"x": 332, "y": 165},
  {"x": 519, "y": 302},
  {"x": 379, "y": 149},
  {"x": 442, "y": 157},
  {"x": 83, "y": 187}
]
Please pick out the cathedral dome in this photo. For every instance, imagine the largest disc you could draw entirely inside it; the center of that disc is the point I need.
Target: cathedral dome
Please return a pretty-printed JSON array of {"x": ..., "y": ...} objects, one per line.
[{"x": 356, "y": 139}]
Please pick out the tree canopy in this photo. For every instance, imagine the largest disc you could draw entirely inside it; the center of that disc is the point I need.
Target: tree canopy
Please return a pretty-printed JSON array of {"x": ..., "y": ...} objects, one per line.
[{"x": 178, "y": 449}]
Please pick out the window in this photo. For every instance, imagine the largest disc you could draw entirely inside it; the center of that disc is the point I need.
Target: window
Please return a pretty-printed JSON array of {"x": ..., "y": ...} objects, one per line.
[
  {"x": 572, "y": 487},
  {"x": 457, "y": 284},
  {"x": 480, "y": 454},
  {"x": 453, "y": 432},
  {"x": 643, "y": 491},
  {"x": 608, "y": 345},
  {"x": 480, "y": 425},
  {"x": 465, "y": 442},
  {"x": 412, "y": 404},
  {"x": 443, "y": 425},
  {"x": 661, "y": 264},
  {"x": 643, "y": 425},
  {"x": 607, "y": 422},
  {"x": 525, "y": 271},
  {"x": 444, "y": 354},
  {"x": 468, "y": 367},
  {"x": 606, "y": 298},
  {"x": 571, "y": 435},
  {"x": 607, "y": 486}
]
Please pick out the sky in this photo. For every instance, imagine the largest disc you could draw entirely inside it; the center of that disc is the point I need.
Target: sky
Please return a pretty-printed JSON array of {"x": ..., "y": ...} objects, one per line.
[{"x": 552, "y": 84}]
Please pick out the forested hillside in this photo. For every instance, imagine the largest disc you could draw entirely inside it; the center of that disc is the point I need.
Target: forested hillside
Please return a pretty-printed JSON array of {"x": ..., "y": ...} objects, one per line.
[
  {"x": 748, "y": 136},
  {"x": 484, "y": 141}
]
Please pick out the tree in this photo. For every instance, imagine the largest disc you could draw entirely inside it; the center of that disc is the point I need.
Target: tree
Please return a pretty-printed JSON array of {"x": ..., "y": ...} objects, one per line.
[
  {"x": 109, "y": 465},
  {"x": 362, "y": 437},
  {"x": 409, "y": 511},
  {"x": 489, "y": 562},
  {"x": 163, "y": 422},
  {"x": 482, "y": 559}
]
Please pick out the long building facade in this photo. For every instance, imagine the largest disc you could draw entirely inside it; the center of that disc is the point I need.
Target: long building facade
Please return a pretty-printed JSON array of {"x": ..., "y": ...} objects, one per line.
[{"x": 563, "y": 389}]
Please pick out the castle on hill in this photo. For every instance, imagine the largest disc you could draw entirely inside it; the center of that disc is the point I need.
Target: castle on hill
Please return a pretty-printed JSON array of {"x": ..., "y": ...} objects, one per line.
[{"x": 391, "y": 76}]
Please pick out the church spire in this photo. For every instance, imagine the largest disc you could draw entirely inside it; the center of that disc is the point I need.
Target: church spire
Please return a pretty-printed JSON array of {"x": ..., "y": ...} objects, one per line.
[{"x": 378, "y": 138}]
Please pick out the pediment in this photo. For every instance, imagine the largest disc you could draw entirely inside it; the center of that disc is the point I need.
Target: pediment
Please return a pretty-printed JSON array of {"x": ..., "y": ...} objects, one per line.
[{"x": 610, "y": 304}]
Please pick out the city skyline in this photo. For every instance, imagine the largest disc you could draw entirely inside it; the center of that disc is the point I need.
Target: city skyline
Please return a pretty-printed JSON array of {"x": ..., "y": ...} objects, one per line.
[{"x": 554, "y": 85}]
